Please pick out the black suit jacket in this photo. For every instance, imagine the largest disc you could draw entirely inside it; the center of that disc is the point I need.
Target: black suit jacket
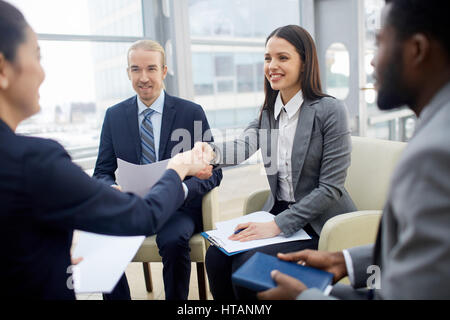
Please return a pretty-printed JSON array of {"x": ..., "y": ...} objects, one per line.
[
  {"x": 183, "y": 124},
  {"x": 44, "y": 197}
]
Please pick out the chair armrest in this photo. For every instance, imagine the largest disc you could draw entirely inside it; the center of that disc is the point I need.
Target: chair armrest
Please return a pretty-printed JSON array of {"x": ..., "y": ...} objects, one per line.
[
  {"x": 256, "y": 201},
  {"x": 349, "y": 230},
  {"x": 210, "y": 209}
]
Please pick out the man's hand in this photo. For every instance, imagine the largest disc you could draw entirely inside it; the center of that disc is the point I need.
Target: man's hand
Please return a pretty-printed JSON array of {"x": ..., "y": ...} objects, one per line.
[
  {"x": 117, "y": 187},
  {"x": 288, "y": 288},
  {"x": 333, "y": 262}
]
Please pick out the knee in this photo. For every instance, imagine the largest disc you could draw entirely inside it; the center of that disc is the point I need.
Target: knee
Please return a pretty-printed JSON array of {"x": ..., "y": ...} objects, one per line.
[
  {"x": 173, "y": 245},
  {"x": 216, "y": 262}
]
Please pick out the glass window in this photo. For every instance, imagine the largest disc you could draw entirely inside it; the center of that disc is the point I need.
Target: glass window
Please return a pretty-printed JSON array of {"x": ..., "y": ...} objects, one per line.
[
  {"x": 203, "y": 73},
  {"x": 338, "y": 70},
  {"x": 82, "y": 80},
  {"x": 224, "y": 65},
  {"x": 245, "y": 72},
  {"x": 397, "y": 124},
  {"x": 84, "y": 17},
  {"x": 240, "y": 18},
  {"x": 228, "y": 38}
]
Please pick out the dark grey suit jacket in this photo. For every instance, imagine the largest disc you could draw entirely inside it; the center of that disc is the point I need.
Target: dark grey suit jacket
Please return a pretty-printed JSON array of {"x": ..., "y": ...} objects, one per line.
[
  {"x": 413, "y": 244},
  {"x": 320, "y": 159}
]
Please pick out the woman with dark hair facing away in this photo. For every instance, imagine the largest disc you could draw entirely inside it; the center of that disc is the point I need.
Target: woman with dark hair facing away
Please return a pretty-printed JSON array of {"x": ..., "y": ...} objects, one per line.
[
  {"x": 44, "y": 196},
  {"x": 305, "y": 142}
]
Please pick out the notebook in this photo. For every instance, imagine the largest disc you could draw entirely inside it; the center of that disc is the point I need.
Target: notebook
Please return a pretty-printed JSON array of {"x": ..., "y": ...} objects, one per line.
[
  {"x": 254, "y": 274},
  {"x": 219, "y": 236}
]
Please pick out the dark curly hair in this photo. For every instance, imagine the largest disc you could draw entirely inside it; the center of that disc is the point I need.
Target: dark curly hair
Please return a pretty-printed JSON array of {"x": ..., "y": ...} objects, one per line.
[{"x": 408, "y": 17}]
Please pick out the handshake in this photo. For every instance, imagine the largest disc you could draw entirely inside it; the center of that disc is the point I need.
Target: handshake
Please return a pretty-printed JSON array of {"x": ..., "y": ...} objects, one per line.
[{"x": 195, "y": 162}]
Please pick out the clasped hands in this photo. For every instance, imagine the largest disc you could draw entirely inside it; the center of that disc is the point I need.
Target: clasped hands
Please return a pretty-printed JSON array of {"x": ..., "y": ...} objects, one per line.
[{"x": 195, "y": 162}]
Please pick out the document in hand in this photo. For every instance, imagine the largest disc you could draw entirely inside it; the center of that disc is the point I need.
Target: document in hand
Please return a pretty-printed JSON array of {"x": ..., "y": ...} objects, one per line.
[
  {"x": 224, "y": 229},
  {"x": 139, "y": 179},
  {"x": 105, "y": 259},
  {"x": 254, "y": 274}
]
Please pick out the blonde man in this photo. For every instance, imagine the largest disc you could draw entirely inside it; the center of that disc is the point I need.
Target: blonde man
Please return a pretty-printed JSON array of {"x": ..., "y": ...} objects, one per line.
[{"x": 139, "y": 130}]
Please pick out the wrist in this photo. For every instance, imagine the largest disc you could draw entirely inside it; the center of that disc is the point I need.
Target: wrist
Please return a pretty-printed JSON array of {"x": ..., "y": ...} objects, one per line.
[
  {"x": 180, "y": 169},
  {"x": 340, "y": 265}
]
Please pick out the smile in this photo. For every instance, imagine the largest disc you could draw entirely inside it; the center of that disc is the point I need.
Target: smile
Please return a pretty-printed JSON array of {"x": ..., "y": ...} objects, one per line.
[{"x": 275, "y": 76}]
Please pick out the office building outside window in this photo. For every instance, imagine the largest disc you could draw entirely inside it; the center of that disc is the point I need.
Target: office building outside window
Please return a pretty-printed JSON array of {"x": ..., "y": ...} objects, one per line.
[{"x": 228, "y": 40}]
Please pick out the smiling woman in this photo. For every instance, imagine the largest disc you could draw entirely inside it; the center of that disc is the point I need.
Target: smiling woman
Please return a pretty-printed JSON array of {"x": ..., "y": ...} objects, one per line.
[{"x": 304, "y": 138}]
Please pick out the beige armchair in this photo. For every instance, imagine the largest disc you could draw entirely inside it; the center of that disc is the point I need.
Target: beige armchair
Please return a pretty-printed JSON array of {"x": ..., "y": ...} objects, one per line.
[
  {"x": 368, "y": 180},
  {"x": 149, "y": 252}
]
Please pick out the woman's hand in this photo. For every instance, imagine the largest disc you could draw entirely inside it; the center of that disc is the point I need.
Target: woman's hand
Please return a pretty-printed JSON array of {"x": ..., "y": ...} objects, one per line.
[
  {"x": 76, "y": 261},
  {"x": 255, "y": 230}
]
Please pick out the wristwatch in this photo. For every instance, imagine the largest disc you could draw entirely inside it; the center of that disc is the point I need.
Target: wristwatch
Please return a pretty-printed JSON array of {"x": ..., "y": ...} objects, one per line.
[{"x": 216, "y": 155}]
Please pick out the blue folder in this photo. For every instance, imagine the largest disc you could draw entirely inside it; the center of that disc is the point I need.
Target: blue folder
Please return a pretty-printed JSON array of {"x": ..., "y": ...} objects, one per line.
[
  {"x": 254, "y": 274},
  {"x": 215, "y": 243}
]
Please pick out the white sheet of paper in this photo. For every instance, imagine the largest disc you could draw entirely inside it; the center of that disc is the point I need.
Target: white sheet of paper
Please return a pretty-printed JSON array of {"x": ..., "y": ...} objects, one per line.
[
  {"x": 139, "y": 179},
  {"x": 105, "y": 259},
  {"x": 226, "y": 229}
]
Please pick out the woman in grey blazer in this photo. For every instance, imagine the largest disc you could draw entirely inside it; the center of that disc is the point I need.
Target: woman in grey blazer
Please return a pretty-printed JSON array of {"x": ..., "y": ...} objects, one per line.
[{"x": 305, "y": 142}]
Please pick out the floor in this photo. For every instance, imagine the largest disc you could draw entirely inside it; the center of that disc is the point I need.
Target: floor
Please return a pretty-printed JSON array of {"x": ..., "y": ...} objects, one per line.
[{"x": 245, "y": 179}]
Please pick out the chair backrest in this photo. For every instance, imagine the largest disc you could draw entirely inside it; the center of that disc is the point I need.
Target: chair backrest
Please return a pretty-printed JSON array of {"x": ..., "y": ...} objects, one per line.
[
  {"x": 349, "y": 230},
  {"x": 210, "y": 209},
  {"x": 369, "y": 175}
]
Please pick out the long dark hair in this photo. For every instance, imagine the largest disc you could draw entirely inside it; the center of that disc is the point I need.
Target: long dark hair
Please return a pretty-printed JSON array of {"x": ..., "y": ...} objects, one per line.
[
  {"x": 310, "y": 80},
  {"x": 12, "y": 30}
]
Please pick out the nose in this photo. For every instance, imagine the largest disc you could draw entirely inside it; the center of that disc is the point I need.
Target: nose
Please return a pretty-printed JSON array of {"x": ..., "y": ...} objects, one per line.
[
  {"x": 144, "y": 76},
  {"x": 273, "y": 65}
]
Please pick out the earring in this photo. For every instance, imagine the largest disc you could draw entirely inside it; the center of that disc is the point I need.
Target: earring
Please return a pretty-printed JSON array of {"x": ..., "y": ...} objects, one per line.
[{"x": 4, "y": 83}]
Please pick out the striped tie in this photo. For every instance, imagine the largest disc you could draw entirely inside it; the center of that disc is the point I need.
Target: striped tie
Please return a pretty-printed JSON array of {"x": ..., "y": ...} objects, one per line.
[{"x": 147, "y": 139}]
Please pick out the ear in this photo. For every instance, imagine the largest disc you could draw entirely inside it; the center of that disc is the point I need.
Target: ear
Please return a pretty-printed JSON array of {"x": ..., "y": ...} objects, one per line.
[
  {"x": 419, "y": 49},
  {"x": 165, "y": 71},
  {"x": 4, "y": 80},
  {"x": 128, "y": 73}
]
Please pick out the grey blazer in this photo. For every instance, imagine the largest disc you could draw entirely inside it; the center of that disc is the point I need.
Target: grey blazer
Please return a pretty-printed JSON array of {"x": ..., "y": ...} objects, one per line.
[
  {"x": 320, "y": 158},
  {"x": 413, "y": 244}
]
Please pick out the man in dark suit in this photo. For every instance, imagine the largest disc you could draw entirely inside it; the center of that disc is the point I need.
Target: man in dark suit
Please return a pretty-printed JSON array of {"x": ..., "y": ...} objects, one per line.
[{"x": 151, "y": 127}]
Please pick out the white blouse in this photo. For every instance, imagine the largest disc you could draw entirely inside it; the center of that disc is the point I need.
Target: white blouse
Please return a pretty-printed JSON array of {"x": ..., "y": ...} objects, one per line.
[{"x": 287, "y": 126}]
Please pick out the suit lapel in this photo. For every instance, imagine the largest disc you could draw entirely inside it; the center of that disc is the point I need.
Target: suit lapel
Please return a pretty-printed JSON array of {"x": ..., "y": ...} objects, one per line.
[
  {"x": 302, "y": 139},
  {"x": 168, "y": 118},
  {"x": 132, "y": 121},
  {"x": 269, "y": 123}
]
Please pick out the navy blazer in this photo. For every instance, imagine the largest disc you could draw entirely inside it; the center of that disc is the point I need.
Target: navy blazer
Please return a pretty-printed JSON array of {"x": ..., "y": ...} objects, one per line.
[
  {"x": 120, "y": 138},
  {"x": 44, "y": 197}
]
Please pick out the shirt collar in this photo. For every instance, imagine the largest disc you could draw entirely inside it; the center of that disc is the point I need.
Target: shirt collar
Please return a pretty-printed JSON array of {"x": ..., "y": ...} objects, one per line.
[
  {"x": 4, "y": 126},
  {"x": 157, "y": 106},
  {"x": 440, "y": 99},
  {"x": 291, "y": 107}
]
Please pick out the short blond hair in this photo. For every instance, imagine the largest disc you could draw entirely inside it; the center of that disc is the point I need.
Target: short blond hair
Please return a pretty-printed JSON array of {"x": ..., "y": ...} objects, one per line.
[{"x": 148, "y": 45}]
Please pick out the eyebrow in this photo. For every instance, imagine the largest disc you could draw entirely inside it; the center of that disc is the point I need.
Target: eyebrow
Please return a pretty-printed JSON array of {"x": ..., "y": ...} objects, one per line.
[
  {"x": 278, "y": 53},
  {"x": 150, "y": 65}
]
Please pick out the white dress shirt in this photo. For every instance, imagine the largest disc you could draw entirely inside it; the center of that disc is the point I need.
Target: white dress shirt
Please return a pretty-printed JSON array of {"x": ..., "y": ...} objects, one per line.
[
  {"x": 156, "y": 119},
  {"x": 288, "y": 119}
]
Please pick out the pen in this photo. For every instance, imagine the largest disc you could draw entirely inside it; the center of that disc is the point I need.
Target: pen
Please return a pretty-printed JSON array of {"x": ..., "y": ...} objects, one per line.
[{"x": 239, "y": 230}]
